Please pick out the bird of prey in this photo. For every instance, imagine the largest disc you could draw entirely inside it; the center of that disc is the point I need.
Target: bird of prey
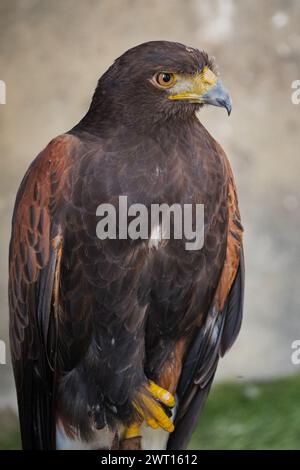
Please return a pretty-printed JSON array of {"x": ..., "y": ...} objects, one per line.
[{"x": 115, "y": 341}]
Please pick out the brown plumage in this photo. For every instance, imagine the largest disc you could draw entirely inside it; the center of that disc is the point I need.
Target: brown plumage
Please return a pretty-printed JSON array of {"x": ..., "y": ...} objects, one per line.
[{"x": 92, "y": 320}]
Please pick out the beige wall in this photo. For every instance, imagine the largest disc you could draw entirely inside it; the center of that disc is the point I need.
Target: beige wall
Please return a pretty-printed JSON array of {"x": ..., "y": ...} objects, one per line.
[{"x": 52, "y": 53}]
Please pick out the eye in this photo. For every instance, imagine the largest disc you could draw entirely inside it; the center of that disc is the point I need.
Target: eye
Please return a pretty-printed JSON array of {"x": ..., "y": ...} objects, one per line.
[{"x": 165, "y": 79}]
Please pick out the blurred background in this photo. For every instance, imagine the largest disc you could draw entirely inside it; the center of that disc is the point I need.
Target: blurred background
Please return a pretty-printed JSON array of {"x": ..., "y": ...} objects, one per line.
[{"x": 51, "y": 56}]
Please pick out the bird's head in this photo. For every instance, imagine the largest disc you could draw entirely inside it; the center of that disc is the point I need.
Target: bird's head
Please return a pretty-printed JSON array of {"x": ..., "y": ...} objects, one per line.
[{"x": 160, "y": 79}]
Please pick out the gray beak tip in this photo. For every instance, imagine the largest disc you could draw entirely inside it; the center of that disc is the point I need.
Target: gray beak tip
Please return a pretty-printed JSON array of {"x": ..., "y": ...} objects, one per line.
[
  {"x": 228, "y": 107},
  {"x": 218, "y": 96}
]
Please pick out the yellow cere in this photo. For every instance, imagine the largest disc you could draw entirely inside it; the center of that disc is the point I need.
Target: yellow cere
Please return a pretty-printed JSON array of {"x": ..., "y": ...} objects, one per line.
[{"x": 192, "y": 87}]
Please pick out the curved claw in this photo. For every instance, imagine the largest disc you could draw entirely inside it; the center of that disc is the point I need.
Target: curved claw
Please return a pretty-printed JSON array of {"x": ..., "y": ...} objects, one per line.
[{"x": 148, "y": 406}]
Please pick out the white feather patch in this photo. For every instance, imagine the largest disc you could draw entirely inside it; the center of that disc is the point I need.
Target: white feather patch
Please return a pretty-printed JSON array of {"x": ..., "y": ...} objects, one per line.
[{"x": 102, "y": 439}]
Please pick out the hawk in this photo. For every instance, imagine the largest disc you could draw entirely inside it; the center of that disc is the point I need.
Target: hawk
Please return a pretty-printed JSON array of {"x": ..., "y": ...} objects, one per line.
[{"x": 115, "y": 342}]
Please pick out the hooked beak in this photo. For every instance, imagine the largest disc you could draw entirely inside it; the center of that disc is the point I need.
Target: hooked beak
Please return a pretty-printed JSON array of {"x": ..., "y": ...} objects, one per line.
[
  {"x": 218, "y": 96},
  {"x": 202, "y": 88}
]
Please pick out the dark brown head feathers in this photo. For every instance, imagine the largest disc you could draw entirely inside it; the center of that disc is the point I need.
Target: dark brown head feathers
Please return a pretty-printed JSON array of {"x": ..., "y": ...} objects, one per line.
[{"x": 124, "y": 93}]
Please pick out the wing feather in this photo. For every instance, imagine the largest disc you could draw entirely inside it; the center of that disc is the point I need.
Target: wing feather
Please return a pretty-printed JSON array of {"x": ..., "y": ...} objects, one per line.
[
  {"x": 33, "y": 264},
  {"x": 216, "y": 335}
]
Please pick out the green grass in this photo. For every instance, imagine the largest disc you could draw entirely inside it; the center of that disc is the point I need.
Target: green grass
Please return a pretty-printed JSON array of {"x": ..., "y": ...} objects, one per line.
[
  {"x": 251, "y": 416},
  {"x": 262, "y": 415},
  {"x": 9, "y": 430}
]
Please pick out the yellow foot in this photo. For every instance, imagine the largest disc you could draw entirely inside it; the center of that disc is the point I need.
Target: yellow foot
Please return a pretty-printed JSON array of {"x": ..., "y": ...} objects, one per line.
[
  {"x": 133, "y": 430},
  {"x": 148, "y": 404}
]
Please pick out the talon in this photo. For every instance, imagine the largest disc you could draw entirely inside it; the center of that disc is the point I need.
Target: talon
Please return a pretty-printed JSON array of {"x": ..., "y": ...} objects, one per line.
[{"x": 148, "y": 407}]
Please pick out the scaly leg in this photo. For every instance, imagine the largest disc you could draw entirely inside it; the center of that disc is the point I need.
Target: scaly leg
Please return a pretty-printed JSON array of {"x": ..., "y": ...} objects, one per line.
[{"x": 148, "y": 406}]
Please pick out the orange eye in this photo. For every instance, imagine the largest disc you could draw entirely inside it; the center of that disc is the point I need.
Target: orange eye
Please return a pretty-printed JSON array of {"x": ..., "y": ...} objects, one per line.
[{"x": 165, "y": 79}]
